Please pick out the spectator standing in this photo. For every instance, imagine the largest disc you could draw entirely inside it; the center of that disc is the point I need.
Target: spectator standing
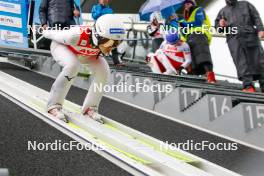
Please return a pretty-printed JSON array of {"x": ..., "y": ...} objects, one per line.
[
  {"x": 102, "y": 8},
  {"x": 244, "y": 45},
  {"x": 58, "y": 13},
  {"x": 198, "y": 39},
  {"x": 154, "y": 31}
]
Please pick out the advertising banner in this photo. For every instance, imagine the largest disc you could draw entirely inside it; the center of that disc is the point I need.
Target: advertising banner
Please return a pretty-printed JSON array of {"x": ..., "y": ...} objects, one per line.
[{"x": 13, "y": 23}]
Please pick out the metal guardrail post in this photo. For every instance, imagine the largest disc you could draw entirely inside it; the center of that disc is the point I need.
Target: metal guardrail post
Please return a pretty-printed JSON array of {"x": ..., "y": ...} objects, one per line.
[
  {"x": 35, "y": 40},
  {"x": 134, "y": 43},
  {"x": 134, "y": 52}
]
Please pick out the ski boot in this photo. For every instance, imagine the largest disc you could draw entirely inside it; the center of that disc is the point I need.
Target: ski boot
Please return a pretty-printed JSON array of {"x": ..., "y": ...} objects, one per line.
[
  {"x": 92, "y": 112},
  {"x": 56, "y": 112}
]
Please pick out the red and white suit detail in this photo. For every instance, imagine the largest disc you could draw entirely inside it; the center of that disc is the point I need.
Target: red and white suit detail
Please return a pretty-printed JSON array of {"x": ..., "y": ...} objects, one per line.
[{"x": 170, "y": 58}]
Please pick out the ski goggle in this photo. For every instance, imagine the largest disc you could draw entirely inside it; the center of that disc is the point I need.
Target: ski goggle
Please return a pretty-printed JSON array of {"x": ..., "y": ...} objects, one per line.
[{"x": 109, "y": 43}]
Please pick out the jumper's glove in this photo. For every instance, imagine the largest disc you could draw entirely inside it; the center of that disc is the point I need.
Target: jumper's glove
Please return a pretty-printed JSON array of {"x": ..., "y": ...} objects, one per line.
[
  {"x": 148, "y": 59},
  {"x": 182, "y": 71}
]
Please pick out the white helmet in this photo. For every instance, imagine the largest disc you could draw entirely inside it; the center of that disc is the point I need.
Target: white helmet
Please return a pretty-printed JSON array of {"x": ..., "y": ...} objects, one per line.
[{"x": 108, "y": 27}]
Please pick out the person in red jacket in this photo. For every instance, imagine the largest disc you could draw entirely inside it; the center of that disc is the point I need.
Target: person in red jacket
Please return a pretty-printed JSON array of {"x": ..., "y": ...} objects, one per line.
[{"x": 173, "y": 57}]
